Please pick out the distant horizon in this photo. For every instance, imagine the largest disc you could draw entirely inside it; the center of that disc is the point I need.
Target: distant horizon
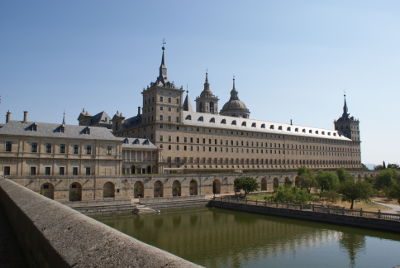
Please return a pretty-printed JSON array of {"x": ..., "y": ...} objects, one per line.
[{"x": 291, "y": 60}]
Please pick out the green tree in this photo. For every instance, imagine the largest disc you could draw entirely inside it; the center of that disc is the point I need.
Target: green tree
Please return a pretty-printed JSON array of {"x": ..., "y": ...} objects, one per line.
[
  {"x": 386, "y": 179},
  {"x": 395, "y": 192},
  {"x": 247, "y": 184},
  {"x": 352, "y": 191},
  {"x": 305, "y": 179},
  {"x": 292, "y": 195},
  {"x": 342, "y": 174},
  {"x": 393, "y": 166},
  {"x": 327, "y": 181}
]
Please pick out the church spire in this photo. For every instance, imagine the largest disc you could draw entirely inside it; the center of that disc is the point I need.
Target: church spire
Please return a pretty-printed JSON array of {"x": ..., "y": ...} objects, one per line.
[
  {"x": 162, "y": 76},
  {"x": 234, "y": 93},
  {"x": 206, "y": 84},
  {"x": 345, "y": 109}
]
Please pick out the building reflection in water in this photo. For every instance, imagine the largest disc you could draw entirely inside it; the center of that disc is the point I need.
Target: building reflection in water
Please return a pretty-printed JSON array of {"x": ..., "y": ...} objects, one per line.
[{"x": 220, "y": 238}]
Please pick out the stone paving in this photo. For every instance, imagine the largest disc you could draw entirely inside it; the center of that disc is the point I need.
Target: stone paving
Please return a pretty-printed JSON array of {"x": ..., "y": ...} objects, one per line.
[{"x": 10, "y": 253}]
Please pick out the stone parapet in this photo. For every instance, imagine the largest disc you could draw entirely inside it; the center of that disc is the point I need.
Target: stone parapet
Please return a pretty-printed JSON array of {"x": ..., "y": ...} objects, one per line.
[{"x": 53, "y": 235}]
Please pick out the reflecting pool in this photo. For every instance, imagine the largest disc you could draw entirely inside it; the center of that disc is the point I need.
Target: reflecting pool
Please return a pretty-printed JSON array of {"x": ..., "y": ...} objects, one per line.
[{"x": 222, "y": 238}]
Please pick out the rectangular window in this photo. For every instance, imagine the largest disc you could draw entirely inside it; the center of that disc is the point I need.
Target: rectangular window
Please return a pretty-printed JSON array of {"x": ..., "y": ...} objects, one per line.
[
  {"x": 8, "y": 146},
  {"x": 87, "y": 171},
  {"x": 88, "y": 149},
  {"x": 62, "y": 148},
  {"x": 48, "y": 148},
  {"x": 76, "y": 149},
  {"x": 47, "y": 171},
  {"x": 169, "y": 100},
  {"x": 34, "y": 147},
  {"x": 109, "y": 150},
  {"x": 161, "y": 117},
  {"x": 75, "y": 171},
  {"x": 7, "y": 171},
  {"x": 161, "y": 99},
  {"x": 62, "y": 171},
  {"x": 33, "y": 171},
  {"x": 161, "y": 108}
]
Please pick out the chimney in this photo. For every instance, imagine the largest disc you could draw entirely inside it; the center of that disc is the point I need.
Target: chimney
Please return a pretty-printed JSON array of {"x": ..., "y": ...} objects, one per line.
[
  {"x": 138, "y": 110},
  {"x": 25, "y": 117},
  {"x": 8, "y": 116},
  {"x": 291, "y": 122}
]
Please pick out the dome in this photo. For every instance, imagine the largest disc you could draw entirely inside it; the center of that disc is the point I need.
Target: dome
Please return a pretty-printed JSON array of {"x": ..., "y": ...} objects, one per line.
[{"x": 235, "y": 107}]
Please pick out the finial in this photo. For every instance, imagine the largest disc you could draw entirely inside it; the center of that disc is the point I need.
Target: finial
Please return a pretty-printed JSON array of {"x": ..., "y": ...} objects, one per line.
[
  {"x": 234, "y": 82},
  {"x": 207, "y": 76},
  {"x": 63, "y": 121},
  {"x": 187, "y": 88},
  {"x": 163, "y": 44}
]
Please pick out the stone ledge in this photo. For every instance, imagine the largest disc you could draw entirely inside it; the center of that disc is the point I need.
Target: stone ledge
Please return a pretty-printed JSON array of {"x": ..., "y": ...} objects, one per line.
[{"x": 54, "y": 235}]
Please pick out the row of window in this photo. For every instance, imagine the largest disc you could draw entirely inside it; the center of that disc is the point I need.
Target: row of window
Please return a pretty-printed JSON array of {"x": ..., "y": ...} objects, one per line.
[
  {"x": 47, "y": 171},
  {"x": 169, "y": 100},
  {"x": 49, "y": 148},
  {"x": 244, "y": 124},
  {"x": 257, "y": 144}
]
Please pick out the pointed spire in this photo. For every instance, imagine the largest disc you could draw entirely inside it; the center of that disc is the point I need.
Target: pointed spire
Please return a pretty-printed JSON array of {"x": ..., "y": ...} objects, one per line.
[
  {"x": 186, "y": 104},
  {"x": 234, "y": 93},
  {"x": 162, "y": 75},
  {"x": 345, "y": 109},
  {"x": 206, "y": 84}
]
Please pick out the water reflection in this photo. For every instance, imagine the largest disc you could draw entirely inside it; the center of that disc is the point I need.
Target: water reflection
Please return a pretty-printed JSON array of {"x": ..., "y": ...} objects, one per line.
[{"x": 220, "y": 238}]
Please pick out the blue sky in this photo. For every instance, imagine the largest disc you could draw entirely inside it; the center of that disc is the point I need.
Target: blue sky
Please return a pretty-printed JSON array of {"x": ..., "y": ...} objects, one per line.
[{"x": 291, "y": 59}]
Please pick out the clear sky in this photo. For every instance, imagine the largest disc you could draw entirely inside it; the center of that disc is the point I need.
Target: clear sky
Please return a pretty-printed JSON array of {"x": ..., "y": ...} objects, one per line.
[{"x": 291, "y": 59}]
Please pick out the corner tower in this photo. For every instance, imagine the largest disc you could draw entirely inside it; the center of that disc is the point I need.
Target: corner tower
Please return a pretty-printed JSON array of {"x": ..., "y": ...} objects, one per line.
[
  {"x": 207, "y": 102},
  {"x": 347, "y": 126}
]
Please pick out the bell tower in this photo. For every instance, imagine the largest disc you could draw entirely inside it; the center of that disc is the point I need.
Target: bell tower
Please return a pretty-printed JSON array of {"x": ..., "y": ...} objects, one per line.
[
  {"x": 207, "y": 102},
  {"x": 347, "y": 126}
]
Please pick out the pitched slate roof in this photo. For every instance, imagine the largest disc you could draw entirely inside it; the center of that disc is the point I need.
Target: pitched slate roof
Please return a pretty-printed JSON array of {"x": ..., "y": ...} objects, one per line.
[
  {"x": 101, "y": 117},
  {"x": 52, "y": 130}
]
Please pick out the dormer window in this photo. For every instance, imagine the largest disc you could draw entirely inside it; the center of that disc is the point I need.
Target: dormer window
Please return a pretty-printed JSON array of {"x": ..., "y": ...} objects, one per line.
[
  {"x": 188, "y": 117},
  {"x": 201, "y": 119},
  {"x": 253, "y": 125},
  {"x": 304, "y": 130},
  {"x": 262, "y": 125},
  {"x": 223, "y": 121},
  {"x": 126, "y": 141},
  {"x": 243, "y": 124},
  {"x": 280, "y": 128},
  {"x": 146, "y": 142},
  {"x": 316, "y": 132},
  {"x": 234, "y": 122},
  {"x": 310, "y": 131},
  {"x": 288, "y": 129},
  {"x": 212, "y": 120},
  {"x": 86, "y": 131},
  {"x": 296, "y": 129},
  {"x": 271, "y": 127},
  {"x": 136, "y": 141},
  {"x": 32, "y": 127}
]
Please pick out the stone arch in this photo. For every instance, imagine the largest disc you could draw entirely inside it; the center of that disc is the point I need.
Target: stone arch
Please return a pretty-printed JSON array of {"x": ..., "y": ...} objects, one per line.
[
  {"x": 108, "y": 190},
  {"x": 216, "y": 186},
  {"x": 138, "y": 190},
  {"x": 176, "y": 188},
  {"x": 75, "y": 192},
  {"x": 288, "y": 182},
  {"x": 158, "y": 189},
  {"x": 276, "y": 183},
  {"x": 264, "y": 184},
  {"x": 47, "y": 190},
  {"x": 193, "y": 187}
]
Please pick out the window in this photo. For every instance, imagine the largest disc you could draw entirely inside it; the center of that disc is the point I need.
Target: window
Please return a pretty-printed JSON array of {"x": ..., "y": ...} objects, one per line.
[
  {"x": 161, "y": 99},
  {"x": 109, "y": 150},
  {"x": 75, "y": 171},
  {"x": 62, "y": 170},
  {"x": 62, "y": 148},
  {"x": 188, "y": 117},
  {"x": 161, "y": 117},
  {"x": 161, "y": 108},
  {"x": 48, "y": 148},
  {"x": 169, "y": 100},
  {"x": 34, "y": 147},
  {"x": 212, "y": 120},
  {"x": 88, "y": 149},
  {"x": 8, "y": 146},
  {"x": 200, "y": 119},
  {"x": 223, "y": 121},
  {"x": 33, "y": 171},
  {"x": 76, "y": 149},
  {"x": 7, "y": 171},
  {"x": 87, "y": 171},
  {"x": 47, "y": 171}
]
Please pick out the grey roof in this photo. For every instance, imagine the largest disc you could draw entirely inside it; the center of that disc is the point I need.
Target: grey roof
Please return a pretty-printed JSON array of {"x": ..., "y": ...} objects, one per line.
[
  {"x": 132, "y": 121},
  {"x": 246, "y": 124},
  {"x": 137, "y": 143},
  {"x": 101, "y": 117},
  {"x": 52, "y": 130}
]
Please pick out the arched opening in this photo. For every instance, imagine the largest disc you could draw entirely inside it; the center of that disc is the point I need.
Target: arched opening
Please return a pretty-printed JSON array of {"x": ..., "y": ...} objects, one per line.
[
  {"x": 288, "y": 182},
  {"x": 193, "y": 187},
  {"x": 108, "y": 190},
  {"x": 47, "y": 190},
  {"x": 216, "y": 187},
  {"x": 158, "y": 189},
  {"x": 276, "y": 183},
  {"x": 176, "y": 188},
  {"x": 75, "y": 192},
  {"x": 138, "y": 190},
  {"x": 263, "y": 184}
]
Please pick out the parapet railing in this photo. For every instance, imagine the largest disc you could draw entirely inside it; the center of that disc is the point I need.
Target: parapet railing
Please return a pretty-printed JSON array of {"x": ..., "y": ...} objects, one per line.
[{"x": 313, "y": 208}]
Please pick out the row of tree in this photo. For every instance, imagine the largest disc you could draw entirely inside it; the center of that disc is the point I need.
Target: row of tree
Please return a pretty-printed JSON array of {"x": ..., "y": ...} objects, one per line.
[{"x": 330, "y": 185}]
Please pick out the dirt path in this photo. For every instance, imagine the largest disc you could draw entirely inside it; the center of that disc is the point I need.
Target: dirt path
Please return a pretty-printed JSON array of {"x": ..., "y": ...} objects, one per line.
[{"x": 393, "y": 208}]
